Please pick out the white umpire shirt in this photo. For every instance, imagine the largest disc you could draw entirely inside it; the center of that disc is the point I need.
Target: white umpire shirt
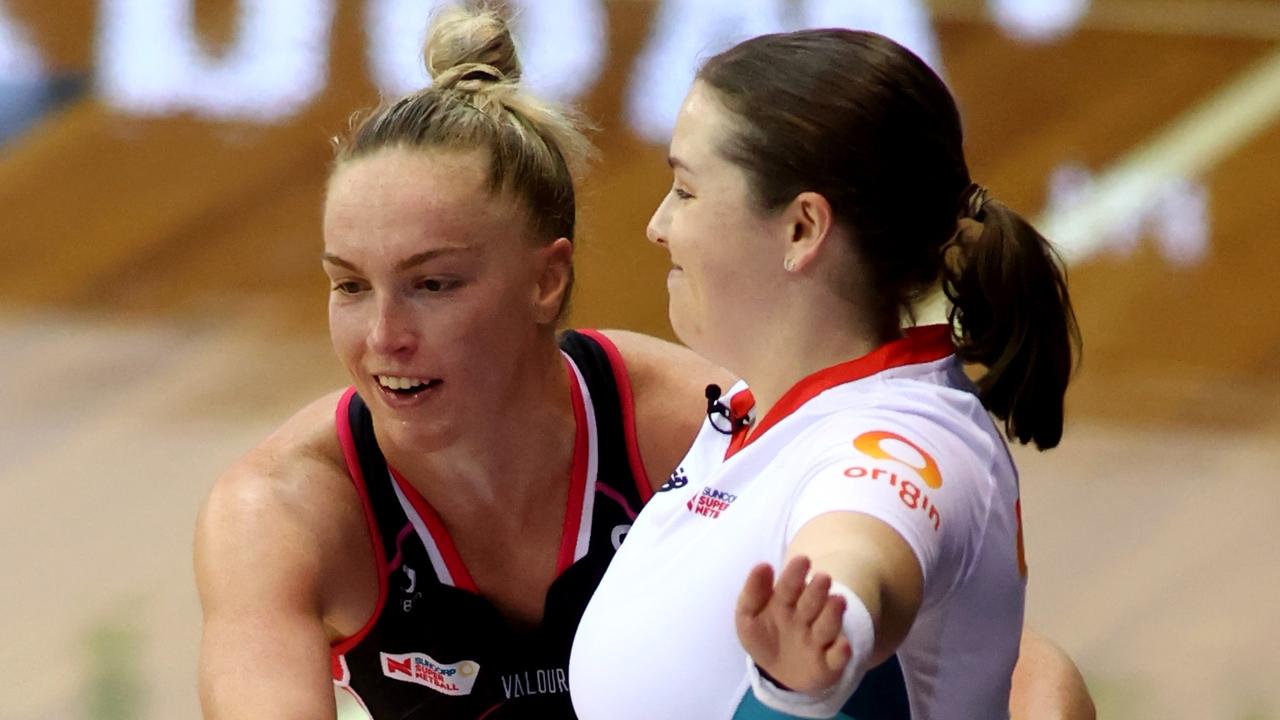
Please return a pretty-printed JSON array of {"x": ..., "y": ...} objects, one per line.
[{"x": 898, "y": 434}]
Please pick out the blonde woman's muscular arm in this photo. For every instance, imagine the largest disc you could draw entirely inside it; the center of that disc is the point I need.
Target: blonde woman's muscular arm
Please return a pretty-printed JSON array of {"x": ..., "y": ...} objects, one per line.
[{"x": 276, "y": 542}]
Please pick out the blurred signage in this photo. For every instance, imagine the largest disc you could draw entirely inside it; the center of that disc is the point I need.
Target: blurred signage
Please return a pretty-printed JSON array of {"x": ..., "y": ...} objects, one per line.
[{"x": 149, "y": 60}]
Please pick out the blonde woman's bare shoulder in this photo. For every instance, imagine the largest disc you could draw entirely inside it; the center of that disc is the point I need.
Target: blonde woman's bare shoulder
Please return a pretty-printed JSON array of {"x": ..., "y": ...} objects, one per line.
[
  {"x": 291, "y": 486},
  {"x": 668, "y": 382}
]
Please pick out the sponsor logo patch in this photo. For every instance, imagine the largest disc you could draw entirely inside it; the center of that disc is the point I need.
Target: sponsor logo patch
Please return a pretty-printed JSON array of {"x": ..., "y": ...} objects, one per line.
[
  {"x": 677, "y": 480},
  {"x": 419, "y": 668},
  {"x": 884, "y": 445},
  {"x": 549, "y": 681},
  {"x": 710, "y": 502}
]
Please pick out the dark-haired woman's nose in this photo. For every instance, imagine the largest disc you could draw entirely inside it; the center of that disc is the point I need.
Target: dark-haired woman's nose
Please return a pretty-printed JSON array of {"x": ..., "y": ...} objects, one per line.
[{"x": 656, "y": 230}]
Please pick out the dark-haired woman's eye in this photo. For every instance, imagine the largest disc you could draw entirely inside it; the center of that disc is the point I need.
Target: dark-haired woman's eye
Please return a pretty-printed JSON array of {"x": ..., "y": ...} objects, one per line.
[
  {"x": 682, "y": 194},
  {"x": 435, "y": 285}
]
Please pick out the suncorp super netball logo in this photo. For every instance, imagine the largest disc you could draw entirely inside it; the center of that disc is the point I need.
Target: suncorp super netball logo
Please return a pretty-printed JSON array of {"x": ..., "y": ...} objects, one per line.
[
  {"x": 451, "y": 679},
  {"x": 884, "y": 445}
]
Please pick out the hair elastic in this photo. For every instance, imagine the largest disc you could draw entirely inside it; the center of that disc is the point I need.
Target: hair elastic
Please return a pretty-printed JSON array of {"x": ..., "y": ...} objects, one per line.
[{"x": 978, "y": 196}]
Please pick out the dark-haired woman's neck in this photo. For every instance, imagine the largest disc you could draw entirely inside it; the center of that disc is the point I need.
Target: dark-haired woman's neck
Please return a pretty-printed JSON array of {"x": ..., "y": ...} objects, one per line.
[{"x": 797, "y": 347}]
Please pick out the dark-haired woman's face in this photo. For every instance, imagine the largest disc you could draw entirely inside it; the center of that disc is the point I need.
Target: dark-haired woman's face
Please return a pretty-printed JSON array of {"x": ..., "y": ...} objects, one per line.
[
  {"x": 435, "y": 290},
  {"x": 726, "y": 254}
]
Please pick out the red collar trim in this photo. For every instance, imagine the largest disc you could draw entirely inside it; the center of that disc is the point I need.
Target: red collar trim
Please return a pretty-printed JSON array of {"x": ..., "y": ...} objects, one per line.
[{"x": 922, "y": 344}]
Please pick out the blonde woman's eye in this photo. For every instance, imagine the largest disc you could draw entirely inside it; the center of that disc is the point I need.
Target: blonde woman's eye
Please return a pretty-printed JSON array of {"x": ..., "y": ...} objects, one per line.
[{"x": 683, "y": 195}]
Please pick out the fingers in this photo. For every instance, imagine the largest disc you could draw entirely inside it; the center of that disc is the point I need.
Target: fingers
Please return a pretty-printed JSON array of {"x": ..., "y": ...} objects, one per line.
[
  {"x": 813, "y": 599},
  {"x": 794, "y": 625},
  {"x": 792, "y": 581},
  {"x": 828, "y": 625},
  {"x": 838, "y": 655},
  {"x": 756, "y": 592}
]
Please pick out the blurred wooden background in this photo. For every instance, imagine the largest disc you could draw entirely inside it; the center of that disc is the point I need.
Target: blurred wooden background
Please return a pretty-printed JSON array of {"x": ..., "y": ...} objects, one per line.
[{"x": 162, "y": 308}]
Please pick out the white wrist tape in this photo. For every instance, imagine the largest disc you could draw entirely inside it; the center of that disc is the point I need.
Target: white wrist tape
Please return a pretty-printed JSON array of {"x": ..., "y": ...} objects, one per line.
[{"x": 860, "y": 633}]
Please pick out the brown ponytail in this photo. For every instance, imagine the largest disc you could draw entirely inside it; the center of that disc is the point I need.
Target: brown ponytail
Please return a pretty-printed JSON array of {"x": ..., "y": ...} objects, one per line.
[{"x": 1012, "y": 314}]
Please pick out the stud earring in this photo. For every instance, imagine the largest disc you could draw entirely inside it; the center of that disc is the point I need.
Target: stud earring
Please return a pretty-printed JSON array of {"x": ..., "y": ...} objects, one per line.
[{"x": 788, "y": 264}]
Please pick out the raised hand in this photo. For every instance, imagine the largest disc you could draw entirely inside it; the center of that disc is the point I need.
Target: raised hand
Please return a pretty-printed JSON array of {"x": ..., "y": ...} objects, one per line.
[{"x": 792, "y": 630}]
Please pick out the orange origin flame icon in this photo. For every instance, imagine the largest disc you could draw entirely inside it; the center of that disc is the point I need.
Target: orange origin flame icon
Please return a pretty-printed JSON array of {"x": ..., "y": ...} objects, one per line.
[{"x": 871, "y": 444}]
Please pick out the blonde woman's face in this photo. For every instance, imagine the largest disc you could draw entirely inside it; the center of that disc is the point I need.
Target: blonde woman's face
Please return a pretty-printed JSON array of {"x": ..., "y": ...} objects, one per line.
[{"x": 433, "y": 289}]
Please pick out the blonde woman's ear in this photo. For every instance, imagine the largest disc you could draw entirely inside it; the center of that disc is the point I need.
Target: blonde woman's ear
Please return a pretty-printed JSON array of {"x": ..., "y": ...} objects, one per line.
[{"x": 555, "y": 279}]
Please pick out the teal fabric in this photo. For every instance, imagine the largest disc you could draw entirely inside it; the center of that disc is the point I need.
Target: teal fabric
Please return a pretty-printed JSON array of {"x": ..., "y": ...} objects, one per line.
[
  {"x": 752, "y": 709},
  {"x": 882, "y": 695}
]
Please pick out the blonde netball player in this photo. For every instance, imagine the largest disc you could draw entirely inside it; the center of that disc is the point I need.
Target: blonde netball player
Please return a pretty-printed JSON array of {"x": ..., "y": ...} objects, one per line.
[
  {"x": 428, "y": 539},
  {"x": 819, "y": 188}
]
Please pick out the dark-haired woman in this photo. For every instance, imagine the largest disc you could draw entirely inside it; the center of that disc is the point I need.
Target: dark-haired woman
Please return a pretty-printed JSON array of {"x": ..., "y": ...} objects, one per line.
[{"x": 820, "y": 188}]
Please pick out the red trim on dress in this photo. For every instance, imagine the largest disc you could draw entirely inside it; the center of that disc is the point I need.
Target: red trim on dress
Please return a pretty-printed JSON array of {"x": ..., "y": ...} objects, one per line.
[
  {"x": 627, "y": 399},
  {"x": 573, "y": 512},
  {"x": 439, "y": 534},
  {"x": 342, "y": 420},
  {"x": 922, "y": 344},
  {"x": 577, "y": 474}
]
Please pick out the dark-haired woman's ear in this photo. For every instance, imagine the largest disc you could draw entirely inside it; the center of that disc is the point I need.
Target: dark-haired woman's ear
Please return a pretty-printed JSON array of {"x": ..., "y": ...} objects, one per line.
[
  {"x": 555, "y": 278},
  {"x": 809, "y": 221}
]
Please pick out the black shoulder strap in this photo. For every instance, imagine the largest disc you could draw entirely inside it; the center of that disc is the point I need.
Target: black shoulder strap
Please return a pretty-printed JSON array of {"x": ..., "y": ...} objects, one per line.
[
  {"x": 387, "y": 511},
  {"x": 600, "y": 374}
]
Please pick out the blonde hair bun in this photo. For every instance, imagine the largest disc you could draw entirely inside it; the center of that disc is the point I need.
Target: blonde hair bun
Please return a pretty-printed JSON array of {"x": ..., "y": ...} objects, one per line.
[{"x": 470, "y": 48}]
